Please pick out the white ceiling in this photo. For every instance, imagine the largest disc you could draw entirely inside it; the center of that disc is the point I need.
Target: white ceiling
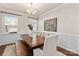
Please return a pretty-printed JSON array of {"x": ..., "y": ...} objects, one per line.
[{"x": 22, "y": 7}]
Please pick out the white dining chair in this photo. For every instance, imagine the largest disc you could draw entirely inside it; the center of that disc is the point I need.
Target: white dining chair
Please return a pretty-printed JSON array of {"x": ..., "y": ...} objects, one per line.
[{"x": 49, "y": 48}]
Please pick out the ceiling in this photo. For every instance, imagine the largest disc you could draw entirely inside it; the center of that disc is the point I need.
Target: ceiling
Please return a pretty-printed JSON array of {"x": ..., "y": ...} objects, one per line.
[{"x": 22, "y": 7}]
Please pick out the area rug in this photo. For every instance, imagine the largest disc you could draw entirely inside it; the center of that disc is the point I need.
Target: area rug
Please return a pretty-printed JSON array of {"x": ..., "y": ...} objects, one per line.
[{"x": 10, "y": 50}]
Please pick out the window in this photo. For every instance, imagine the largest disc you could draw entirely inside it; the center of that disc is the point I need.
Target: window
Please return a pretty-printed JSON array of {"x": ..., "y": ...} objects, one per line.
[
  {"x": 11, "y": 22},
  {"x": 34, "y": 24}
]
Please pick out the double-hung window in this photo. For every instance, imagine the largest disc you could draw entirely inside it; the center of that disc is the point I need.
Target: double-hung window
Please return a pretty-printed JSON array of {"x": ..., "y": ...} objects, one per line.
[{"x": 11, "y": 22}]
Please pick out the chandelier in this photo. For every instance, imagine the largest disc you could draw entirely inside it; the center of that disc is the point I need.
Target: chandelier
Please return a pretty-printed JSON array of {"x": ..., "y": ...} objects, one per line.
[{"x": 31, "y": 10}]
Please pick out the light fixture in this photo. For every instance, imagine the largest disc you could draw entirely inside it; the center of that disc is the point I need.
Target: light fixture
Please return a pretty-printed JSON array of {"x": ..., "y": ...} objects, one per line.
[{"x": 31, "y": 10}]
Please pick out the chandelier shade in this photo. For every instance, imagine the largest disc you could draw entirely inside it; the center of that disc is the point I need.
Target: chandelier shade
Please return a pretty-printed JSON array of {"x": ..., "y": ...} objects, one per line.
[{"x": 31, "y": 10}]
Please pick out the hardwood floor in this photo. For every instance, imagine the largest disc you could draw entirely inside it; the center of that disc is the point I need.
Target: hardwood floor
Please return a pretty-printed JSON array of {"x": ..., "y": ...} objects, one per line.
[
  {"x": 22, "y": 49},
  {"x": 66, "y": 52},
  {"x": 2, "y": 48}
]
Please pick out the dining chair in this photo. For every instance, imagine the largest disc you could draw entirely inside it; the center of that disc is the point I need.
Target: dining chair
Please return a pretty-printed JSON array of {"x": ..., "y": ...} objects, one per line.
[{"x": 49, "y": 48}]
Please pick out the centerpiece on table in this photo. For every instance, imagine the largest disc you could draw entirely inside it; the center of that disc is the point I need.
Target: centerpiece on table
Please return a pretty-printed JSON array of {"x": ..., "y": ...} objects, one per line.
[{"x": 32, "y": 33}]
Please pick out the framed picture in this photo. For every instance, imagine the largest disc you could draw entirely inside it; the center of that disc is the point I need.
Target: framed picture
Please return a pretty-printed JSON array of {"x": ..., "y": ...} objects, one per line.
[{"x": 50, "y": 25}]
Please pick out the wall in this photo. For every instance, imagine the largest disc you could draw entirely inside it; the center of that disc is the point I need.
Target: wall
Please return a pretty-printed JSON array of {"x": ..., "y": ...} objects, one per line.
[
  {"x": 9, "y": 38},
  {"x": 67, "y": 18},
  {"x": 2, "y": 27},
  {"x": 22, "y": 24}
]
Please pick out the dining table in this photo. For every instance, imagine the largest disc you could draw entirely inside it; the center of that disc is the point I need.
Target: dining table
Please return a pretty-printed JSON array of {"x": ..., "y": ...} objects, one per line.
[{"x": 29, "y": 42}]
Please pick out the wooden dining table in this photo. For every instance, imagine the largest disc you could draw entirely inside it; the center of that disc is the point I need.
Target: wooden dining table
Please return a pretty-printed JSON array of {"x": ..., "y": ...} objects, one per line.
[{"x": 29, "y": 41}]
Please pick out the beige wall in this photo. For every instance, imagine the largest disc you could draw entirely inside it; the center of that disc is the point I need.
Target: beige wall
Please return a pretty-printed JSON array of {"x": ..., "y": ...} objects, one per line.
[
  {"x": 67, "y": 18},
  {"x": 23, "y": 21},
  {"x": 2, "y": 27}
]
